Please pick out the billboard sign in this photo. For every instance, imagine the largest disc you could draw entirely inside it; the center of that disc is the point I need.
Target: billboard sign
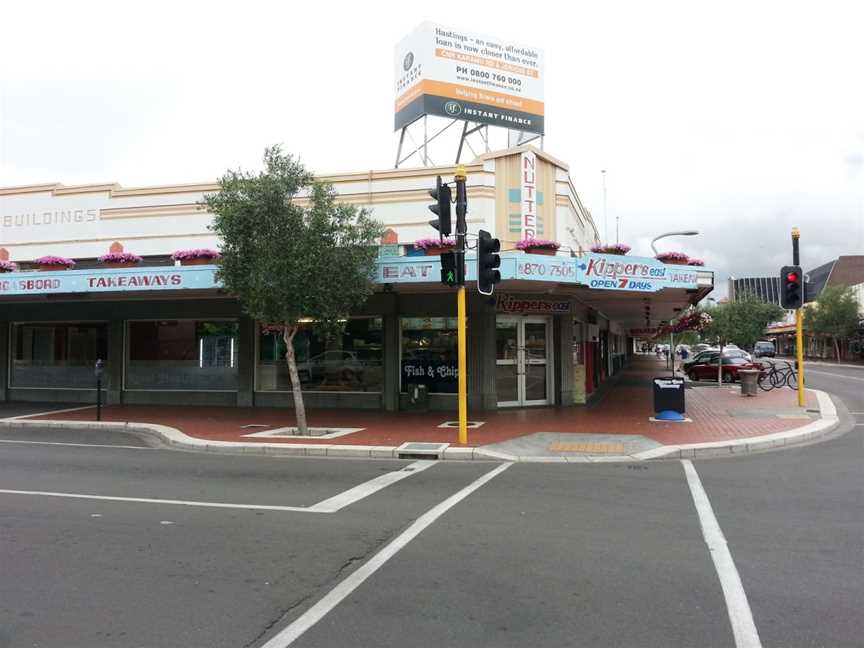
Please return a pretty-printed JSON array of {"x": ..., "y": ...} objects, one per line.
[
  {"x": 463, "y": 75},
  {"x": 635, "y": 274}
]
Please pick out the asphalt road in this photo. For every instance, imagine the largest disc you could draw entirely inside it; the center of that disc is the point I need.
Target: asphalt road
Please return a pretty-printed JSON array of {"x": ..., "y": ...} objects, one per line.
[{"x": 535, "y": 555}]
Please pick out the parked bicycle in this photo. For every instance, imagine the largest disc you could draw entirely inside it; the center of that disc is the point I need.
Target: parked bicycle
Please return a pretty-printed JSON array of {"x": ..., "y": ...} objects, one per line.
[{"x": 777, "y": 375}]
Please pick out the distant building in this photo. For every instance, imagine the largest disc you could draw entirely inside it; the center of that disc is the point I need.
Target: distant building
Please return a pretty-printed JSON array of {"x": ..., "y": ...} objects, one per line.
[{"x": 766, "y": 289}]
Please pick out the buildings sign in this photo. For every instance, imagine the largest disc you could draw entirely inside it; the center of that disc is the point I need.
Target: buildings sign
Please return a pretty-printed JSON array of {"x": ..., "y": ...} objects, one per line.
[
  {"x": 108, "y": 280},
  {"x": 635, "y": 274},
  {"x": 528, "y": 173},
  {"x": 461, "y": 75}
]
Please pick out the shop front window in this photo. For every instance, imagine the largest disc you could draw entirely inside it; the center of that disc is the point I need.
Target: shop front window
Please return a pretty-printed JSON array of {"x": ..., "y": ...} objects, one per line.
[
  {"x": 353, "y": 361},
  {"x": 57, "y": 354},
  {"x": 182, "y": 355},
  {"x": 430, "y": 353}
]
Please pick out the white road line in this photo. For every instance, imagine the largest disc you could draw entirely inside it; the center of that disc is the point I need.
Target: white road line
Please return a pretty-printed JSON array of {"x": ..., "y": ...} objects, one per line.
[
  {"x": 76, "y": 445},
  {"x": 366, "y": 489},
  {"x": 60, "y": 411},
  {"x": 331, "y": 505},
  {"x": 335, "y": 596},
  {"x": 743, "y": 627},
  {"x": 826, "y": 373}
]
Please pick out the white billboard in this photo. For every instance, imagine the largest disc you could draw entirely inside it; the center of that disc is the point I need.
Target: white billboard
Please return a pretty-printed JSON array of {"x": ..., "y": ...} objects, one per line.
[{"x": 462, "y": 75}]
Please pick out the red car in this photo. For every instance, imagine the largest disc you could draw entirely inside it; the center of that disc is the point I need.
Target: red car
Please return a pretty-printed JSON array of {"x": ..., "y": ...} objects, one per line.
[{"x": 707, "y": 369}]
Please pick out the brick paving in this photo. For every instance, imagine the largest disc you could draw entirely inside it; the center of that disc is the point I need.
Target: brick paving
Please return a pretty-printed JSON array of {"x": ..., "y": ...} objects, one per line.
[{"x": 718, "y": 413}]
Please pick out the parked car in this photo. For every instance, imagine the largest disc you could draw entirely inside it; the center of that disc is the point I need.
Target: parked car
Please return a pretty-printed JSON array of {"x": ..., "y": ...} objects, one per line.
[
  {"x": 711, "y": 354},
  {"x": 699, "y": 348},
  {"x": 763, "y": 349},
  {"x": 706, "y": 369},
  {"x": 345, "y": 364}
]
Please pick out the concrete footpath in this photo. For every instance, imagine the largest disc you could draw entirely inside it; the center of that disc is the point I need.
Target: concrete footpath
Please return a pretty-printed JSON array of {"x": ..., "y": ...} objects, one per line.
[{"x": 617, "y": 428}]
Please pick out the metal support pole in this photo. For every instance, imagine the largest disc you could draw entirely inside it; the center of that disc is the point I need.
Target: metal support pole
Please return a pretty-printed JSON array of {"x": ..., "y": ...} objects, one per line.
[
  {"x": 799, "y": 322},
  {"x": 463, "y": 362}
]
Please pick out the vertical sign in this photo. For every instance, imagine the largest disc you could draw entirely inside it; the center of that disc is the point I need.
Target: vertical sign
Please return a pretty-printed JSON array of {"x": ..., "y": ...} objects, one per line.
[{"x": 528, "y": 168}]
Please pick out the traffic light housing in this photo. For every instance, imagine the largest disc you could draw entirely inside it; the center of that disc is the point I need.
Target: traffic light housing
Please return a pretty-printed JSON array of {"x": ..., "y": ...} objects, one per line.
[
  {"x": 488, "y": 262},
  {"x": 449, "y": 272},
  {"x": 791, "y": 287},
  {"x": 441, "y": 208}
]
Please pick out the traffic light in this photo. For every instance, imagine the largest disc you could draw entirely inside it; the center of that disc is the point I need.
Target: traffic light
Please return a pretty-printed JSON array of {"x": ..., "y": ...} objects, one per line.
[
  {"x": 441, "y": 193},
  {"x": 488, "y": 262},
  {"x": 449, "y": 276},
  {"x": 791, "y": 287}
]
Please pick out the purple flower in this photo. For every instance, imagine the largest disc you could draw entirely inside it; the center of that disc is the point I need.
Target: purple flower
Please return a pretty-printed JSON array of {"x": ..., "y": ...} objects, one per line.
[
  {"x": 120, "y": 257},
  {"x": 696, "y": 262},
  {"x": 672, "y": 256},
  {"x": 8, "y": 266},
  {"x": 55, "y": 261},
  {"x": 201, "y": 253},
  {"x": 617, "y": 248},
  {"x": 543, "y": 244},
  {"x": 427, "y": 243}
]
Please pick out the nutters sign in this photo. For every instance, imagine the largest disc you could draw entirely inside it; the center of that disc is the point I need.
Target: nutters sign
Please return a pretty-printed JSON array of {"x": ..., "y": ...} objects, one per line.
[
  {"x": 635, "y": 274},
  {"x": 461, "y": 75}
]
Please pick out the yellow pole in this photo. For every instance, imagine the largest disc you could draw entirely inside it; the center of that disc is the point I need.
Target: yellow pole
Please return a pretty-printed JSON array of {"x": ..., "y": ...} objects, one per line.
[
  {"x": 463, "y": 368},
  {"x": 799, "y": 353}
]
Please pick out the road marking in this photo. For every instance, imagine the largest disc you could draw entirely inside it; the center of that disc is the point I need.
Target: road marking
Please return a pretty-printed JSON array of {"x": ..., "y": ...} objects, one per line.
[
  {"x": 76, "y": 445},
  {"x": 331, "y": 505},
  {"x": 60, "y": 411},
  {"x": 743, "y": 627},
  {"x": 826, "y": 373},
  {"x": 366, "y": 489},
  {"x": 165, "y": 522},
  {"x": 339, "y": 593}
]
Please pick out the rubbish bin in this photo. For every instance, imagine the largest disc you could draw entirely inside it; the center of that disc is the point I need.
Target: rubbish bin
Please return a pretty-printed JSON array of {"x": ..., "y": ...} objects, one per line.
[
  {"x": 749, "y": 378},
  {"x": 418, "y": 397}
]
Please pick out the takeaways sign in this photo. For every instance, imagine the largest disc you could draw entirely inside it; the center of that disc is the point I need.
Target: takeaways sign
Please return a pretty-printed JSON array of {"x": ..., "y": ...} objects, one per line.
[
  {"x": 635, "y": 274},
  {"x": 462, "y": 75}
]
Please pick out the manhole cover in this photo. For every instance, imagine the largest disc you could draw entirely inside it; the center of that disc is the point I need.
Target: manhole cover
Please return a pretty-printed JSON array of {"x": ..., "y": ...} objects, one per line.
[{"x": 455, "y": 424}]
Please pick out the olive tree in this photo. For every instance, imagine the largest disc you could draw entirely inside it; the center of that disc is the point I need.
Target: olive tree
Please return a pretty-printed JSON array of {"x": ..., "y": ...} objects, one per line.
[{"x": 292, "y": 253}]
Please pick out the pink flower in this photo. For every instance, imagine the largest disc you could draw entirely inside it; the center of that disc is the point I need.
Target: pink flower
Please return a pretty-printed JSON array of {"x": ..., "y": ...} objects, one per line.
[
  {"x": 202, "y": 253},
  {"x": 672, "y": 256},
  {"x": 617, "y": 248},
  {"x": 427, "y": 243},
  {"x": 8, "y": 266},
  {"x": 696, "y": 262},
  {"x": 120, "y": 257},
  {"x": 530, "y": 243},
  {"x": 55, "y": 261}
]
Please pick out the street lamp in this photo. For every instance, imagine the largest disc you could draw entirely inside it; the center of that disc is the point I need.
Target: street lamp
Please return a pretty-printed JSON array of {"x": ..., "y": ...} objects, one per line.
[{"x": 684, "y": 233}]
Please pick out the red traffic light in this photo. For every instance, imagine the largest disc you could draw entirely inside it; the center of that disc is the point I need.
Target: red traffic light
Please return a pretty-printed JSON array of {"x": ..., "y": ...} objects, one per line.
[{"x": 792, "y": 276}]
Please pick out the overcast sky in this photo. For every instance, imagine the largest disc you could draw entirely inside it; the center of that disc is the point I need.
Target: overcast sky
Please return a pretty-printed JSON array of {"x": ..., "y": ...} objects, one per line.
[{"x": 739, "y": 119}]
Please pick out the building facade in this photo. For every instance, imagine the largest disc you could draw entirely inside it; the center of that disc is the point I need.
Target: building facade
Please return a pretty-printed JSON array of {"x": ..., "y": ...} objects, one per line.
[{"x": 558, "y": 327}]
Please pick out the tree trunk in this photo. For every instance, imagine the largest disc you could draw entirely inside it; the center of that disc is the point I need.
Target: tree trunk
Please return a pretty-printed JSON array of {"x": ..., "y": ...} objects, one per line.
[
  {"x": 836, "y": 349},
  {"x": 288, "y": 333}
]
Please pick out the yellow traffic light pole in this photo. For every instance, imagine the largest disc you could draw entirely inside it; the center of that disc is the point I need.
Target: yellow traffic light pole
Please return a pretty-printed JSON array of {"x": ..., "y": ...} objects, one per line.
[
  {"x": 799, "y": 325},
  {"x": 461, "y": 205}
]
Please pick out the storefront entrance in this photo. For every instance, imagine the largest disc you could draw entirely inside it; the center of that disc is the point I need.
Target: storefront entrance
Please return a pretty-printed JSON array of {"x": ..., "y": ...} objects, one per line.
[{"x": 523, "y": 370}]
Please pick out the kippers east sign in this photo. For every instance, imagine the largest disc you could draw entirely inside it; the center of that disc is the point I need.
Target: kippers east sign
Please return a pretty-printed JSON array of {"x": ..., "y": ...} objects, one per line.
[
  {"x": 635, "y": 274},
  {"x": 461, "y": 75}
]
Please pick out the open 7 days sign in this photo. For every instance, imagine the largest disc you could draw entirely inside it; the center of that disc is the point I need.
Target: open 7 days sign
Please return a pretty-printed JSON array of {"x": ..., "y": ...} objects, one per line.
[{"x": 637, "y": 274}]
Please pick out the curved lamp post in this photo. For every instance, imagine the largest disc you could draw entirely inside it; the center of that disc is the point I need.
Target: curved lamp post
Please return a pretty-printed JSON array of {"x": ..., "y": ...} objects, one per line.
[{"x": 684, "y": 233}]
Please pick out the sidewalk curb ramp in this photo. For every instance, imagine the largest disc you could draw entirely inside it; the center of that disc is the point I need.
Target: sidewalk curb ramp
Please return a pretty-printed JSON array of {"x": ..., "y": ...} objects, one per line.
[{"x": 174, "y": 438}]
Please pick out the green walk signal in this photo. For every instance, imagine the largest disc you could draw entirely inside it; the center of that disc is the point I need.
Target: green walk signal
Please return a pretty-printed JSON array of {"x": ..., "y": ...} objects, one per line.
[{"x": 448, "y": 269}]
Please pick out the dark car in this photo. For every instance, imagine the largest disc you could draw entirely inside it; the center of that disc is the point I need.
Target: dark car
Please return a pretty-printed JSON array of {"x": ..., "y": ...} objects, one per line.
[
  {"x": 711, "y": 354},
  {"x": 764, "y": 349},
  {"x": 706, "y": 369}
]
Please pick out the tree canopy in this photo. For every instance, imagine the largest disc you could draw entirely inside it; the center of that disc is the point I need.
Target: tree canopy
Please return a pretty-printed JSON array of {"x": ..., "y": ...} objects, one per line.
[
  {"x": 742, "y": 322},
  {"x": 834, "y": 315}
]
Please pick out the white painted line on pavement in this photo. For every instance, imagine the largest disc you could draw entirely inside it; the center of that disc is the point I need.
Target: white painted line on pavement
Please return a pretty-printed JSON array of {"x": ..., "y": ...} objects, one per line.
[
  {"x": 339, "y": 593},
  {"x": 76, "y": 445},
  {"x": 331, "y": 505},
  {"x": 743, "y": 627},
  {"x": 60, "y": 411},
  {"x": 826, "y": 373},
  {"x": 366, "y": 489}
]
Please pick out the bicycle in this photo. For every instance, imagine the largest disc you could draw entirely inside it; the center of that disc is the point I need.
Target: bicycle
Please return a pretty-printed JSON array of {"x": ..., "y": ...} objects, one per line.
[{"x": 777, "y": 377}]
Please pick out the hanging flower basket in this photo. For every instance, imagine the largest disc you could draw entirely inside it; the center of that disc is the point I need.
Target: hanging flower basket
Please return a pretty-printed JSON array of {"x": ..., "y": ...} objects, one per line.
[
  {"x": 54, "y": 263},
  {"x": 696, "y": 262},
  {"x": 119, "y": 260},
  {"x": 434, "y": 247},
  {"x": 8, "y": 266},
  {"x": 617, "y": 248},
  {"x": 538, "y": 246},
  {"x": 673, "y": 258},
  {"x": 196, "y": 257}
]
